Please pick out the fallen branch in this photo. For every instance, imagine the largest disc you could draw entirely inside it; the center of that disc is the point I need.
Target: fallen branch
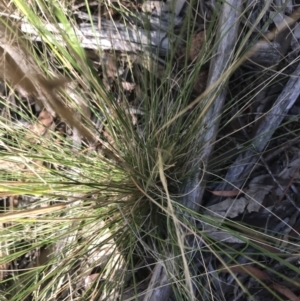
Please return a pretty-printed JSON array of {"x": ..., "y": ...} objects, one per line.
[
  {"x": 192, "y": 191},
  {"x": 111, "y": 36},
  {"x": 269, "y": 123},
  {"x": 208, "y": 127}
]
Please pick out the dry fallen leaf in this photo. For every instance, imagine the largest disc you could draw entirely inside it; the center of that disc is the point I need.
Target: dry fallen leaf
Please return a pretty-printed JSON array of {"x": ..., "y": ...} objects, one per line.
[
  {"x": 40, "y": 127},
  {"x": 90, "y": 279},
  {"x": 196, "y": 45},
  {"x": 249, "y": 270},
  {"x": 201, "y": 82},
  {"x": 261, "y": 275},
  {"x": 128, "y": 86},
  {"x": 226, "y": 193},
  {"x": 232, "y": 207},
  {"x": 285, "y": 292}
]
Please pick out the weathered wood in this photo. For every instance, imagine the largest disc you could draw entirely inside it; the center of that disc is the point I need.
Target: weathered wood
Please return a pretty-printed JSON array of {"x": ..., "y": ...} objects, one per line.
[
  {"x": 164, "y": 22},
  {"x": 267, "y": 54},
  {"x": 208, "y": 127},
  {"x": 159, "y": 287},
  {"x": 109, "y": 35},
  {"x": 192, "y": 191},
  {"x": 269, "y": 123}
]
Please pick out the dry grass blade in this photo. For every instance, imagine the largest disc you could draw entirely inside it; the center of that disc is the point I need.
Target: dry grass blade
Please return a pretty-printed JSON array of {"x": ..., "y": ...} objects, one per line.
[{"x": 31, "y": 213}]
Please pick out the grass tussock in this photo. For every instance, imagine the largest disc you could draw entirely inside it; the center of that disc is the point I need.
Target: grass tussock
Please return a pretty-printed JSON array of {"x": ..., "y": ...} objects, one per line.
[{"x": 118, "y": 167}]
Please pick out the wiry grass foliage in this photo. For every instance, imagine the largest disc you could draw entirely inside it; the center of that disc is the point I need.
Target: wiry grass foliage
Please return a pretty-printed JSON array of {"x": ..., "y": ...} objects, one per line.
[{"x": 115, "y": 213}]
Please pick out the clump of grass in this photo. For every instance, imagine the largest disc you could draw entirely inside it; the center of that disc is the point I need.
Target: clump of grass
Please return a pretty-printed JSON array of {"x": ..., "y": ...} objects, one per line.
[{"x": 104, "y": 208}]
